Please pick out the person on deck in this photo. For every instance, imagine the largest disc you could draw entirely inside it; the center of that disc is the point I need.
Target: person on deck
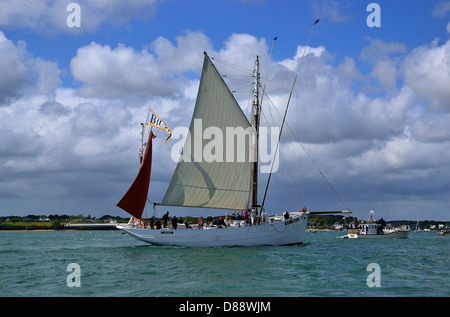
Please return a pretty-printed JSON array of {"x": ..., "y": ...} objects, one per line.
[
  {"x": 152, "y": 223},
  {"x": 174, "y": 222},
  {"x": 221, "y": 223},
  {"x": 165, "y": 219}
]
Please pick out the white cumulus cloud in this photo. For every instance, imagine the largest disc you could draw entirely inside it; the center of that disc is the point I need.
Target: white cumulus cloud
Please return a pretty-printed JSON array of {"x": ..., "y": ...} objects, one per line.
[{"x": 50, "y": 16}]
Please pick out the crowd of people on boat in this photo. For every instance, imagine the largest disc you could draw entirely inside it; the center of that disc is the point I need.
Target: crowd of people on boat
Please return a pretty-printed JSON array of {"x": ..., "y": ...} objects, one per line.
[
  {"x": 236, "y": 219},
  {"x": 219, "y": 222}
]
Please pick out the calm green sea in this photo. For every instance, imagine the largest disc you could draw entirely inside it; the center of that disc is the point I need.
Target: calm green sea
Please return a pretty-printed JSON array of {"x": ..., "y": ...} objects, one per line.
[{"x": 40, "y": 263}]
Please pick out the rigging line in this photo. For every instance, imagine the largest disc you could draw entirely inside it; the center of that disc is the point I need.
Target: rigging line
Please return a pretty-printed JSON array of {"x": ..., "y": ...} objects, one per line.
[
  {"x": 298, "y": 133},
  {"x": 239, "y": 90},
  {"x": 281, "y": 154},
  {"x": 268, "y": 68},
  {"x": 287, "y": 107},
  {"x": 286, "y": 165},
  {"x": 234, "y": 66},
  {"x": 250, "y": 101},
  {"x": 242, "y": 88},
  {"x": 329, "y": 184},
  {"x": 309, "y": 156},
  {"x": 236, "y": 78}
]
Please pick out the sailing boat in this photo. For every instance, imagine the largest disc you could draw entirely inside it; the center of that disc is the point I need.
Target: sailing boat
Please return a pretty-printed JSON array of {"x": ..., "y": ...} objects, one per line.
[{"x": 230, "y": 183}]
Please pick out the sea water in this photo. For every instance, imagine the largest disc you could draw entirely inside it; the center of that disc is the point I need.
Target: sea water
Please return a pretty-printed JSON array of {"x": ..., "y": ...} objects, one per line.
[{"x": 109, "y": 263}]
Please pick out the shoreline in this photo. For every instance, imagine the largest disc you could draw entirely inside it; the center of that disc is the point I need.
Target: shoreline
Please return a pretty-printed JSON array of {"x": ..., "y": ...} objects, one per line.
[
  {"x": 71, "y": 229},
  {"x": 43, "y": 230},
  {"x": 115, "y": 229}
]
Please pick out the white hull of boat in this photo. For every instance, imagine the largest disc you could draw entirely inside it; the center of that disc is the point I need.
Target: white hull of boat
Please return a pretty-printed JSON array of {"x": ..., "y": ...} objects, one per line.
[
  {"x": 391, "y": 235},
  {"x": 286, "y": 232}
]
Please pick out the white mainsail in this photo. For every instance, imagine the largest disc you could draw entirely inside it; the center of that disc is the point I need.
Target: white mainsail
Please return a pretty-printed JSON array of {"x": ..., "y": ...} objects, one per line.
[{"x": 215, "y": 168}]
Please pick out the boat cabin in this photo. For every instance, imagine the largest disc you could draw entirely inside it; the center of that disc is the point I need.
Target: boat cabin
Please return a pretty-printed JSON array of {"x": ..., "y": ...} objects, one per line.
[{"x": 370, "y": 228}]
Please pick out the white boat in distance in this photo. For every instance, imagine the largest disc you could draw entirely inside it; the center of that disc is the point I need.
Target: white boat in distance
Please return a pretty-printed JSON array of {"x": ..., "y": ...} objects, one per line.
[
  {"x": 375, "y": 231},
  {"x": 226, "y": 185}
]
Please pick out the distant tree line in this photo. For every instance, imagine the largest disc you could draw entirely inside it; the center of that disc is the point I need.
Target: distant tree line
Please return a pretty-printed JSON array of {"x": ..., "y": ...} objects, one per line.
[
  {"x": 55, "y": 221},
  {"x": 327, "y": 222},
  {"x": 50, "y": 222}
]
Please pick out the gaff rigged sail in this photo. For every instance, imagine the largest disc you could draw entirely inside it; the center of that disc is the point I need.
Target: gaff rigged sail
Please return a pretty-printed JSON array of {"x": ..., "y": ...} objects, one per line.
[
  {"x": 134, "y": 199},
  {"x": 220, "y": 184}
]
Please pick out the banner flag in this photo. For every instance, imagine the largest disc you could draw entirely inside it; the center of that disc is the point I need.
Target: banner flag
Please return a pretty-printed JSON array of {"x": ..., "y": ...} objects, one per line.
[{"x": 157, "y": 122}]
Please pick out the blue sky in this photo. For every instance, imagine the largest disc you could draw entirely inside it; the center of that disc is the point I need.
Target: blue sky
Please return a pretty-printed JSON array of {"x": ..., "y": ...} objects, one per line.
[
  {"x": 372, "y": 103},
  {"x": 343, "y": 25}
]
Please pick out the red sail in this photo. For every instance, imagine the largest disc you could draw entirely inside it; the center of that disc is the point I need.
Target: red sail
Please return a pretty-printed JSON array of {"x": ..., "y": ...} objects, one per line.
[{"x": 134, "y": 199}]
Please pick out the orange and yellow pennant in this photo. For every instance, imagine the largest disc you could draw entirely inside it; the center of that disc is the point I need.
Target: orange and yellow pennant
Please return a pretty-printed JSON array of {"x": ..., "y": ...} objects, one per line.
[{"x": 157, "y": 122}]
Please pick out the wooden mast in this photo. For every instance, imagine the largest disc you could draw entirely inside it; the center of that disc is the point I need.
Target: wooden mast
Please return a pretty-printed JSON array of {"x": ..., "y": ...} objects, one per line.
[{"x": 256, "y": 109}]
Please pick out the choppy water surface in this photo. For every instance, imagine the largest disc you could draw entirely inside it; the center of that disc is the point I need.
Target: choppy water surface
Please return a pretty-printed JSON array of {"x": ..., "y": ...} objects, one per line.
[{"x": 34, "y": 263}]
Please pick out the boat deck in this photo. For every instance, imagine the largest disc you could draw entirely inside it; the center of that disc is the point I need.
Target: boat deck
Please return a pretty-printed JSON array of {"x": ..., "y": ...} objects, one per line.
[{"x": 136, "y": 224}]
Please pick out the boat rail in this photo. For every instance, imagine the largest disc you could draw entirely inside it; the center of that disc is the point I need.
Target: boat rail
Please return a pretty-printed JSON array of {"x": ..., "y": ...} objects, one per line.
[{"x": 230, "y": 223}]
